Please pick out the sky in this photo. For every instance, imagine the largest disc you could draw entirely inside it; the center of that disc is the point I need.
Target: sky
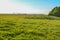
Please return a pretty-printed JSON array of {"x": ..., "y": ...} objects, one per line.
[{"x": 28, "y": 6}]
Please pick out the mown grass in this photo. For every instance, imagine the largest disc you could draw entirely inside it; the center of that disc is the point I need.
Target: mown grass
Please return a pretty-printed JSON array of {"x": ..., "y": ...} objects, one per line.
[{"x": 19, "y": 27}]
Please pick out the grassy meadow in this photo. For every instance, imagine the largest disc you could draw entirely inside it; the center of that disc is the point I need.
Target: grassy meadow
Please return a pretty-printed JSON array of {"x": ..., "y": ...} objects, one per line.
[{"x": 29, "y": 27}]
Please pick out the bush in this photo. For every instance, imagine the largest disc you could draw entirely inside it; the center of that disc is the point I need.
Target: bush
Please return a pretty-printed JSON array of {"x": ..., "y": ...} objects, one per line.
[{"x": 55, "y": 12}]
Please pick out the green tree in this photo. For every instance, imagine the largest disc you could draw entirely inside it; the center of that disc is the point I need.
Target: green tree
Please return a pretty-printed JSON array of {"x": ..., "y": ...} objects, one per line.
[{"x": 55, "y": 12}]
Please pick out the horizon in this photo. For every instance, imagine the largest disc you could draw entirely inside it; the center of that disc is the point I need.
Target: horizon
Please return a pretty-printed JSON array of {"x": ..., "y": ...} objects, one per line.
[{"x": 28, "y": 6}]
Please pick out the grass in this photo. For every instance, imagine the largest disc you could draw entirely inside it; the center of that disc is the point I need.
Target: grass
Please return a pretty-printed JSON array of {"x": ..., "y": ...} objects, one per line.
[{"x": 22, "y": 27}]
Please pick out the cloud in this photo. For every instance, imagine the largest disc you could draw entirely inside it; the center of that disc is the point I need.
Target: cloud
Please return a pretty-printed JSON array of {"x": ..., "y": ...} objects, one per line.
[{"x": 8, "y": 7}]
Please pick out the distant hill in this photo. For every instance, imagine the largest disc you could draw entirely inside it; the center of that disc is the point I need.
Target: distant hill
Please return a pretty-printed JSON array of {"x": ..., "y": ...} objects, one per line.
[{"x": 33, "y": 16}]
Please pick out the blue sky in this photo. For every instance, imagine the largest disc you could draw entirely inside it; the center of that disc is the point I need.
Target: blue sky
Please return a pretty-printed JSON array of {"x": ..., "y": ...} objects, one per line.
[
  {"x": 28, "y": 6},
  {"x": 39, "y": 3}
]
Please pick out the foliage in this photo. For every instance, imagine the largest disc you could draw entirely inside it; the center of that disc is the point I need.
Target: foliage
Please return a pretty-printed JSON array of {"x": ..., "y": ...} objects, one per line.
[{"x": 55, "y": 12}]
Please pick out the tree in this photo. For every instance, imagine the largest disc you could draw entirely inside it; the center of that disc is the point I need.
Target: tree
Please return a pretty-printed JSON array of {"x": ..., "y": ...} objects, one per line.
[{"x": 55, "y": 12}]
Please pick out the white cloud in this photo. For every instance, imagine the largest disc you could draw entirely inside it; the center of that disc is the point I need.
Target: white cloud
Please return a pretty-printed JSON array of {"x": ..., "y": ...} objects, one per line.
[{"x": 8, "y": 7}]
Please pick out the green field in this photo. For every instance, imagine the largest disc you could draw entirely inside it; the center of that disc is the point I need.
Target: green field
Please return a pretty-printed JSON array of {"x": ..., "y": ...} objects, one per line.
[{"x": 33, "y": 27}]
